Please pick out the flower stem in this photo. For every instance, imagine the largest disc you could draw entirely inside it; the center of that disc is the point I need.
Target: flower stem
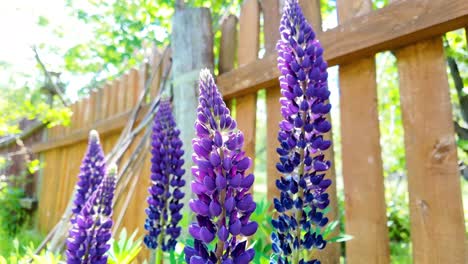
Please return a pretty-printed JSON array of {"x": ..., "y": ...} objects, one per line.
[
  {"x": 300, "y": 193},
  {"x": 159, "y": 256},
  {"x": 222, "y": 197}
]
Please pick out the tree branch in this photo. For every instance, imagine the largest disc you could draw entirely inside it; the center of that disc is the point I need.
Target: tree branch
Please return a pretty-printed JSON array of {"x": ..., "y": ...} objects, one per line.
[
  {"x": 458, "y": 81},
  {"x": 49, "y": 78}
]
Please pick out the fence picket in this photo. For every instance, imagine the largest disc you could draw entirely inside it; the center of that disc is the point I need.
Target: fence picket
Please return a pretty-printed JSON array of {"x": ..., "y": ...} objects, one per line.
[
  {"x": 133, "y": 85},
  {"x": 437, "y": 226},
  {"x": 362, "y": 162},
  {"x": 122, "y": 93},
  {"x": 436, "y": 210},
  {"x": 246, "y": 106}
]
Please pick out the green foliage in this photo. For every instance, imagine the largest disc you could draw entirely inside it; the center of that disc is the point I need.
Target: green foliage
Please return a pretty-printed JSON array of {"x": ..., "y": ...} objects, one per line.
[
  {"x": 44, "y": 257},
  {"x": 400, "y": 253},
  {"x": 125, "y": 249},
  {"x": 398, "y": 219},
  {"x": 25, "y": 102},
  {"x": 14, "y": 249},
  {"x": 12, "y": 215},
  {"x": 123, "y": 30},
  {"x": 261, "y": 240}
]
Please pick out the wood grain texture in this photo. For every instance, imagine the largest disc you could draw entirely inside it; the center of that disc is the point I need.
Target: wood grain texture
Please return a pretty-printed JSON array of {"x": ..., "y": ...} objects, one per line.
[
  {"x": 228, "y": 44},
  {"x": 246, "y": 105},
  {"x": 271, "y": 20},
  {"x": 86, "y": 115},
  {"x": 192, "y": 50},
  {"x": 228, "y": 48},
  {"x": 157, "y": 73},
  {"x": 394, "y": 26},
  {"x": 114, "y": 97},
  {"x": 311, "y": 10},
  {"x": 437, "y": 225},
  {"x": 271, "y": 16},
  {"x": 361, "y": 153},
  {"x": 273, "y": 107},
  {"x": 100, "y": 109},
  {"x": 92, "y": 106},
  {"x": 362, "y": 164},
  {"x": 132, "y": 92},
  {"x": 122, "y": 93},
  {"x": 106, "y": 101}
]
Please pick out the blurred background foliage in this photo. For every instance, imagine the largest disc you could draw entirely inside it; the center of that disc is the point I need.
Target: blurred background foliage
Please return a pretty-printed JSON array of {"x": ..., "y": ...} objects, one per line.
[{"x": 121, "y": 33}]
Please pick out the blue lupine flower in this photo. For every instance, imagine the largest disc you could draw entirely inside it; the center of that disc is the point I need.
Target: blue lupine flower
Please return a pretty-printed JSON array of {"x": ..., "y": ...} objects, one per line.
[
  {"x": 91, "y": 230},
  {"x": 224, "y": 203},
  {"x": 302, "y": 163},
  {"x": 92, "y": 171},
  {"x": 166, "y": 176}
]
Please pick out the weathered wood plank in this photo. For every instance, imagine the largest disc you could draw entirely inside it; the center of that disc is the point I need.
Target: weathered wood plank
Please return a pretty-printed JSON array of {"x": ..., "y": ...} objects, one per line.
[
  {"x": 133, "y": 91},
  {"x": 311, "y": 10},
  {"x": 246, "y": 105},
  {"x": 273, "y": 107},
  {"x": 437, "y": 225},
  {"x": 92, "y": 106},
  {"x": 271, "y": 20},
  {"x": 400, "y": 23},
  {"x": 271, "y": 16},
  {"x": 106, "y": 102},
  {"x": 100, "y": 108},
  {"x": 85, "y": 116},
  {"x": 114, "y": 97},
  {"x": 228, "y": 48},
  {"x": 143, "y": 78},
  {"x": 362, "y": 165},
  {"x": 157, "y": 73},
  {"x": 122, "y": 93},
  {"x": 187, "y": 63},
  {"x": 228, "y": 44},
  {"x": 361, "y": 153}
]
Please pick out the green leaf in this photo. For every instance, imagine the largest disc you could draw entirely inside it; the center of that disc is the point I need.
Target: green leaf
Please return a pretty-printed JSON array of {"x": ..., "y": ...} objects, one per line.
[{"x": 340, "y": 238}]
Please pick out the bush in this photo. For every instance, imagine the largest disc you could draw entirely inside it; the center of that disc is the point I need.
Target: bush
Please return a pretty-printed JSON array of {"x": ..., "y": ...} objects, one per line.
[{"x": 12, "y": 215}]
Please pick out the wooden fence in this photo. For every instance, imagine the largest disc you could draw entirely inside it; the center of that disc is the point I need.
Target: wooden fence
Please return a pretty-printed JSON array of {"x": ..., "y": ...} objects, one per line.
[{"x": 412, "y": 29}]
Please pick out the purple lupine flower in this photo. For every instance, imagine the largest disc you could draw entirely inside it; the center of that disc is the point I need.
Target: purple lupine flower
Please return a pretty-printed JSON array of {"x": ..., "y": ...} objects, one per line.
[
  {"x": 92, "y": 171},
  {"x": 88, "y": 237},
  {"x": 224, "y": 204},
  {"x": 166, "y": 176},
  {"x": 302, "y": 163}
]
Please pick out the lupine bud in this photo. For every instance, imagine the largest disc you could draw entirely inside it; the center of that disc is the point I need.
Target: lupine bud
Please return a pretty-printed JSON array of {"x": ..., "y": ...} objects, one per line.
[
  {"x": 302, "y": 161},
  {"x": 223, "y": 205},
  {"x": 88, "y": 237},
  {"x": 92, "y": 171},
  {"x": 165, "y": 194}
]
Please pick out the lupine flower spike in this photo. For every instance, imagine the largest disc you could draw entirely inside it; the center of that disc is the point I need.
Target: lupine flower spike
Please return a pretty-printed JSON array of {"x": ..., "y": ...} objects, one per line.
[
  {"x": 166, "y": 176},
  {"x": 88, "y": 237},
  {"x": 92, "y": 171},
  {"x": 302, "y": 163},
  {"x": 224, "y": 204}
]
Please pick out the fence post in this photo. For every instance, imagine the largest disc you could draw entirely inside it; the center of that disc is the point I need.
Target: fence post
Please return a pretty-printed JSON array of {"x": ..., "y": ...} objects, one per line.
[{"x": 192, "y": 46}]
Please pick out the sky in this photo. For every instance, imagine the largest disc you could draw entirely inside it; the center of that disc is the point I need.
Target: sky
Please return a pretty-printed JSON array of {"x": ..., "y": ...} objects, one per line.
[{"x": 20, "y": 30}]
